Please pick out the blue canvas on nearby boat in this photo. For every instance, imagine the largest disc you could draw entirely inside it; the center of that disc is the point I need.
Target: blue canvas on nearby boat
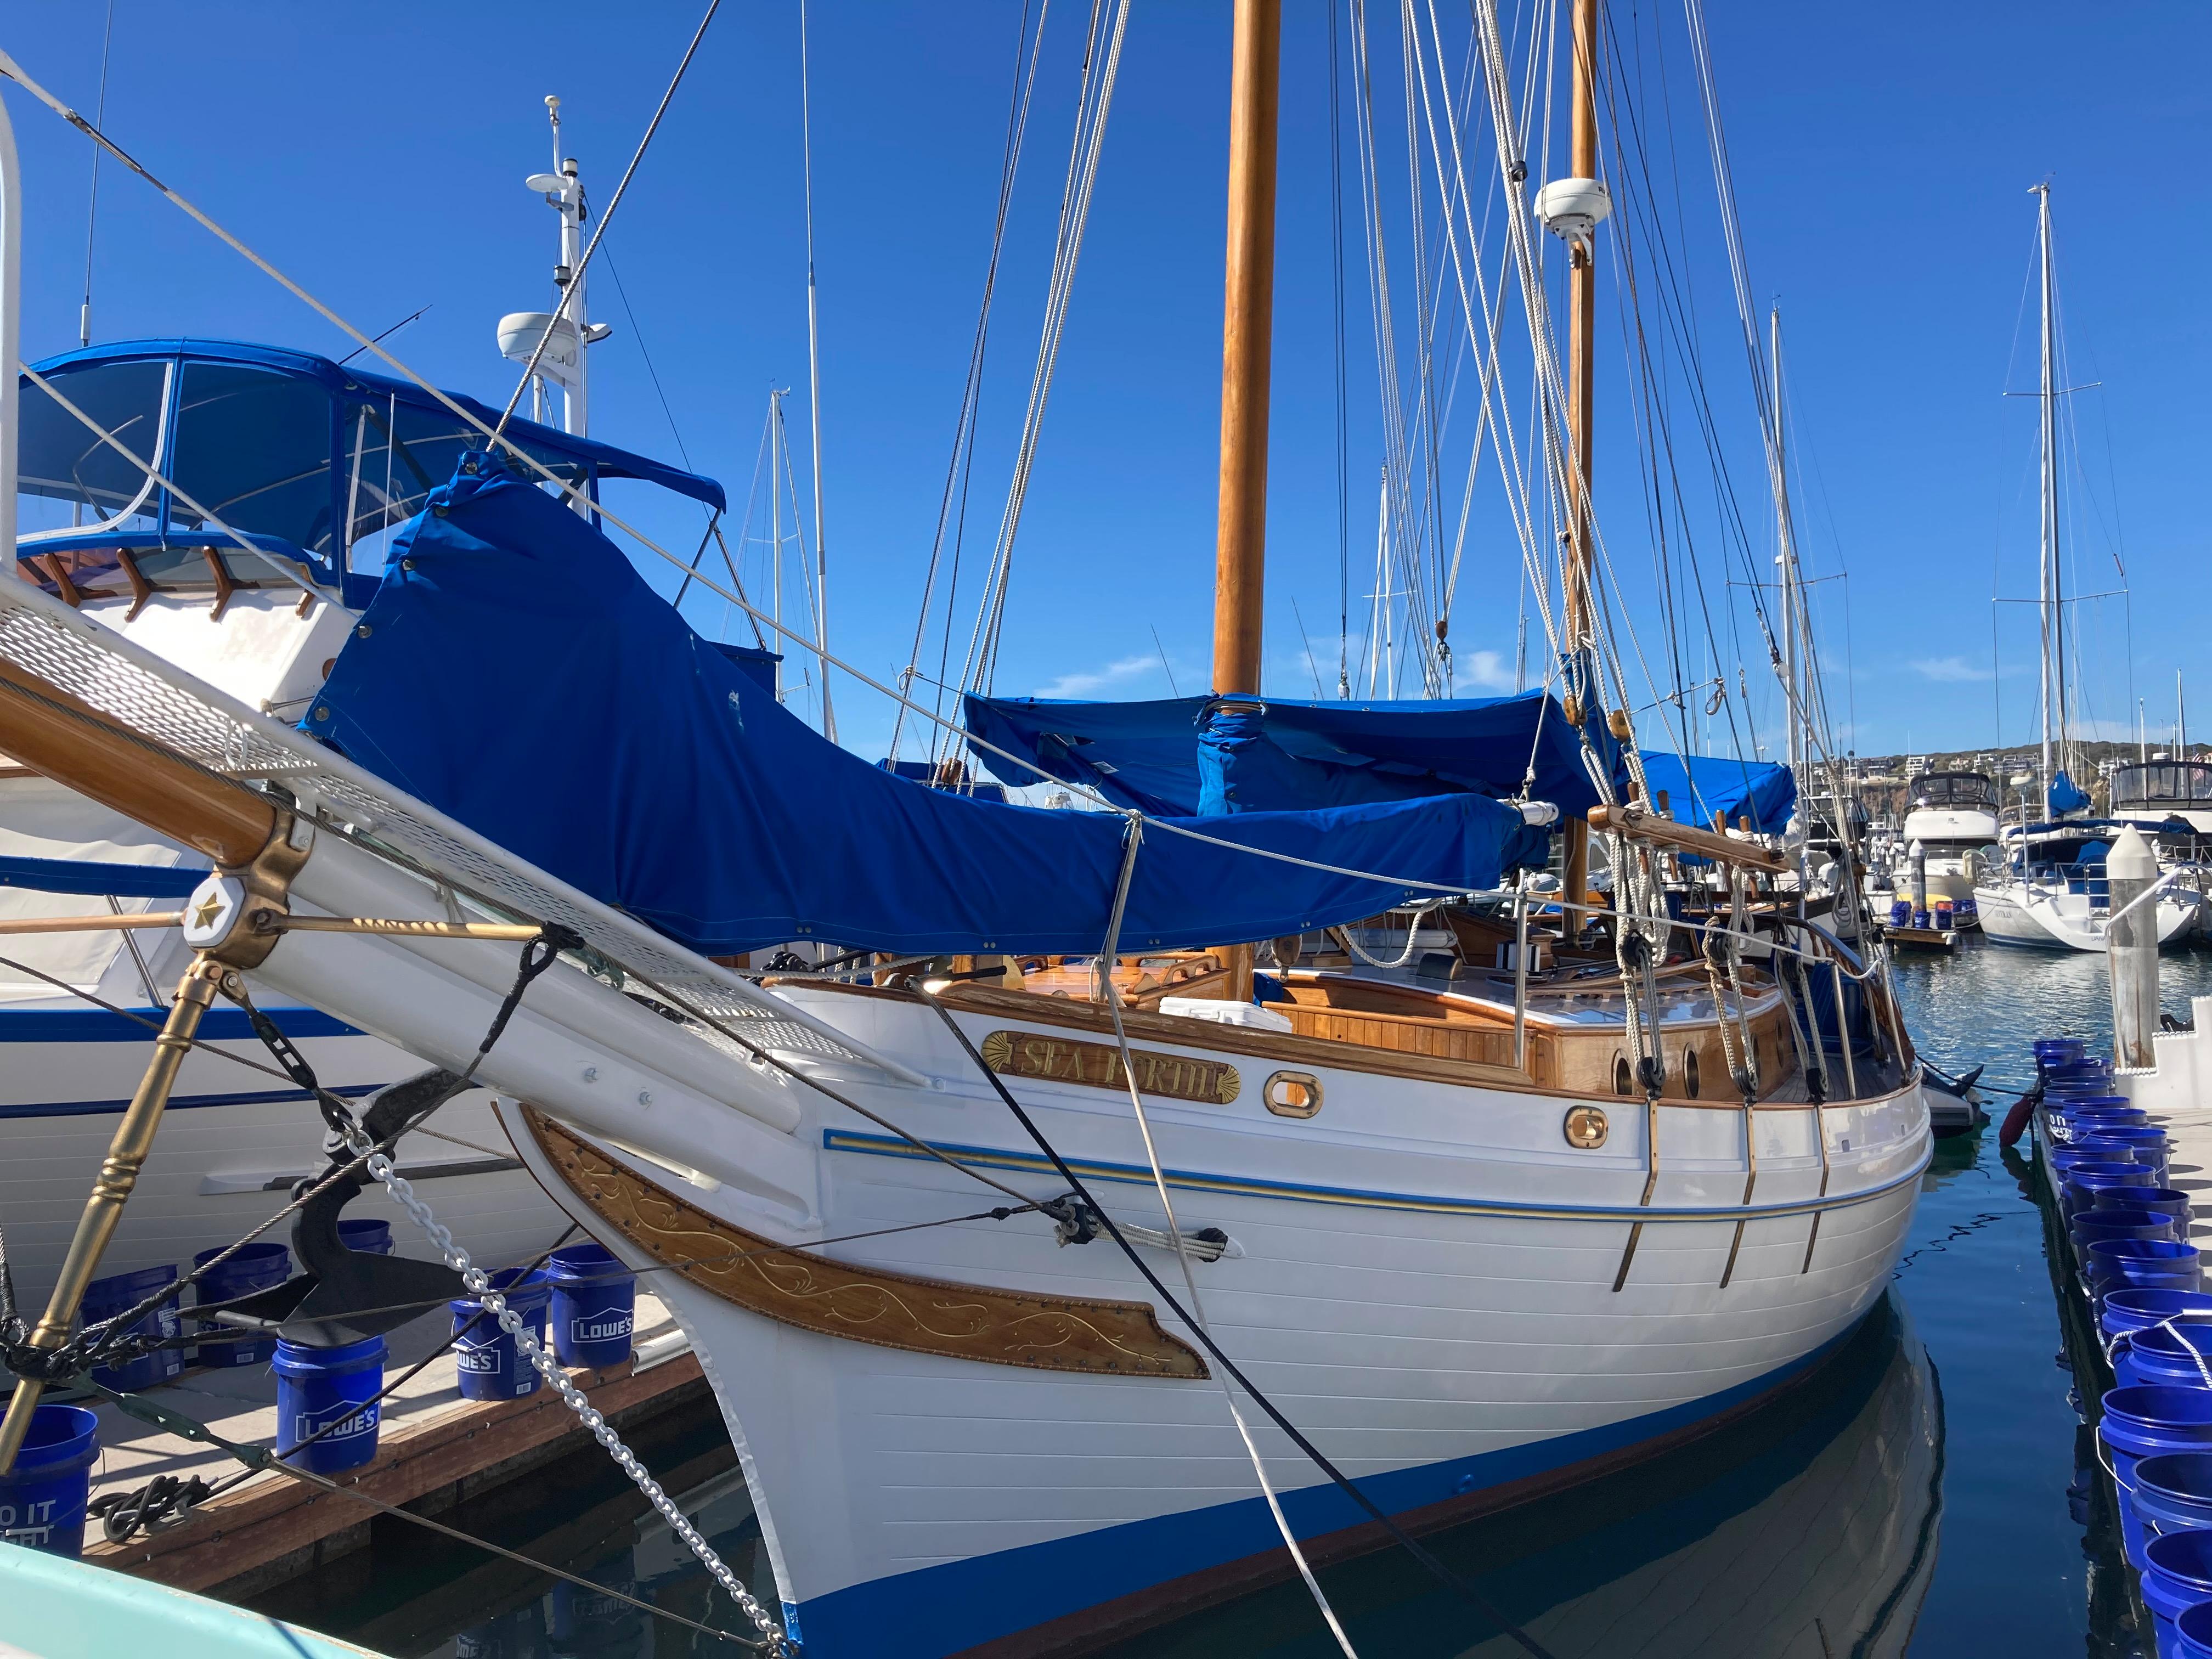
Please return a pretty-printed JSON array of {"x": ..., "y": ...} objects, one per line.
[
  {"x": 1274, "y": 754},
  {"x": 85, "y": 876},
  {"x": 516, "y": 673},
  {"x": 1703, "y": 785}
]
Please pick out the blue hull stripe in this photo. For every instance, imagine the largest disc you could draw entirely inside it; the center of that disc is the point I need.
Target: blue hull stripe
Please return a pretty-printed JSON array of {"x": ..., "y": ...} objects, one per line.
[
  {"x": 21, "y": 1110},
  {"x": 993, "y": 1158},
  {"x": 941, "y": 1610},
  {"x": 98, "y": 1025}
]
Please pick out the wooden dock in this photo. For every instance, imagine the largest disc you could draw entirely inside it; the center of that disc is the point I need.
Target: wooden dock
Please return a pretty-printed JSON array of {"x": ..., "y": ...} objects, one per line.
[{"x": 435, "y": 1450}]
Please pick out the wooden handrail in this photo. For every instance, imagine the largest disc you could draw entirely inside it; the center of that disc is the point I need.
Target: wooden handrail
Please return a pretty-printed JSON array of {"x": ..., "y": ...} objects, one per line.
[{"x": 1638, "y": 824}]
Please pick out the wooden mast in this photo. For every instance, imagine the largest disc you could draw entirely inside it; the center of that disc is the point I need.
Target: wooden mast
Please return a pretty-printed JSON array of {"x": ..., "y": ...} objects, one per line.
[
  {"x": 1248, "y": 316},
  {"x": 1581, "y": 362},
  {"x": 1246, "y": 335}
]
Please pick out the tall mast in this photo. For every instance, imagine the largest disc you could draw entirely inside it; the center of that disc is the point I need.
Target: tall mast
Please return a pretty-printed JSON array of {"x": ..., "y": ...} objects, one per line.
[
  {"x": 1793, "y": 599},
  {"x": 2053, "y": 595},
  {"x": 1582, "y": 397},
  {"x": 1247, "y": 337}
]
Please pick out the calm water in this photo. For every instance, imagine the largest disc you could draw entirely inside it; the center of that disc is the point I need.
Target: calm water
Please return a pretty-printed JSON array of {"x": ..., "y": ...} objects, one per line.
[{"x": 1915, "y": 1499}]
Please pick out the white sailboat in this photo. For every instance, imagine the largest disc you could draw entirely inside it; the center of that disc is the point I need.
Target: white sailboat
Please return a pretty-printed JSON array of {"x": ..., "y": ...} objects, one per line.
[
  {"x": 1465, "y": 1248},
  {"x": 2047, "y": 887}
]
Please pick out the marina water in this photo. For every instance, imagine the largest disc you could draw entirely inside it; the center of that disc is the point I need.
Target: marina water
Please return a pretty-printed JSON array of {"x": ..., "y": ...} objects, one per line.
[{"x": 1923, "y": 1494}]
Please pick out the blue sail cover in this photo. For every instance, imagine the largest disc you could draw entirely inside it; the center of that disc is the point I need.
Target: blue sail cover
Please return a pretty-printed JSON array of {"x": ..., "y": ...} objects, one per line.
[
  {"x": 515, "y": 672},
  {"x": 1199, "y": 755},
  {"x": 2065, "y": 796},
  {"x": 1703, "y": 785}
]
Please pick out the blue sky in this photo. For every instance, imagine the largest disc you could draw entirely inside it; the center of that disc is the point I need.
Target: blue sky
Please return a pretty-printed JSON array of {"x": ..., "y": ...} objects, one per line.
[{"x": 1882, "y": 159}]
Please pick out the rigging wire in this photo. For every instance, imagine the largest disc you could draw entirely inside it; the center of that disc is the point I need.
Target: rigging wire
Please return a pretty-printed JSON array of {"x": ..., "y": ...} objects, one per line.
[
  {"x": 92, "y": 206},
  {"x": 960, "y": 468},
  {"x": 1102, "y": 64},
  {"x": 576, "y": 277},
  {"x": 820, "y": 587}
]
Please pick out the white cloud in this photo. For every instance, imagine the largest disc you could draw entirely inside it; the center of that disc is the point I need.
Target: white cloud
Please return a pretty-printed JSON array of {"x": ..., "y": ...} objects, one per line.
[
  {"x": 1487, "y": 669},
  {"x": 1948, "y": 670},
  {"x": 1113, "y": 673}
]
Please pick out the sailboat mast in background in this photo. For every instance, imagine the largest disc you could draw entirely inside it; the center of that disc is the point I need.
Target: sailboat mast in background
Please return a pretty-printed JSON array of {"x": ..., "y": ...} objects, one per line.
[{"x": 2052, "y": 587}]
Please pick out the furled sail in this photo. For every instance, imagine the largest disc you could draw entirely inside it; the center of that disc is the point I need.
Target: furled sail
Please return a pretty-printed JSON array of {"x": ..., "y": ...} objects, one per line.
[
  {"x": 517, "y": 673},
  {"x": 1257, "y": 754}
]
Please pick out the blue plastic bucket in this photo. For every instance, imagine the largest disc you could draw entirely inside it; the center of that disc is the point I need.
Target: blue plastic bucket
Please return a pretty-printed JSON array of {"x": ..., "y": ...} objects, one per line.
[
  {"x": 2106, "y": 1120},
  {"x": 2133, "y": 1311},
  {"x": 255, "y": 1267},
  {"x": 316, "y": 1387},
  {"x": 1900, "y": 913},
  {"x": 2167, "y": 1201},
  {"x": 1920, "y": 919},
  {"x": 2192, "y": 1632},
  {"x": 2143, "y": 1264},
  {"x": 104, "y": 1298},
  {"x": 2052, "y": 1051},
  {"x": 2144, "y": 1421},
  {"x": 2085, "y": 1180},
  {"x": 2146, "y": 1143},
  {"x": 2177, "y": 1575},
  {"x": 42, "y": 1498},
  {"x": 2166, "y": 1357},
  {"x": 594, "y": 1305},
  {"x": 2090, "y": 1149},
  {"x": 2094, "y": 1226},
  {"x": 490, "y": 1362},
  {"x": 370, "y": 1237}
]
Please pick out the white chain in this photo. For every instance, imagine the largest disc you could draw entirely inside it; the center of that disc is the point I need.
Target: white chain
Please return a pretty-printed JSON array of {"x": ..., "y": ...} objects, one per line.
[{"x": 480, "y": 1287}]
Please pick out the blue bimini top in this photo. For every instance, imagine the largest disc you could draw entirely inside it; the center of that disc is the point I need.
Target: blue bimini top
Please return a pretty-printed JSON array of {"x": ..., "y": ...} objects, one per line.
[{"x": 302, "y": 456}]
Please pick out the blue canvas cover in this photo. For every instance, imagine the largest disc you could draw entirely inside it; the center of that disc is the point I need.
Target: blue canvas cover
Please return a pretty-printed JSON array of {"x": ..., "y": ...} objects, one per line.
[
  {"x": 1288, "y": 754},
  {"x": 515, "y": 672},
  {"x": 1703, "y": 785},
  {"x": 2066, "y": 796}
]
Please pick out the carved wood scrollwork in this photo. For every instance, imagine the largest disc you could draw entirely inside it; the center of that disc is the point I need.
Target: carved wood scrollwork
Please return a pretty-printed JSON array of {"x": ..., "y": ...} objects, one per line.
[{"x": 867, "y": 1305}]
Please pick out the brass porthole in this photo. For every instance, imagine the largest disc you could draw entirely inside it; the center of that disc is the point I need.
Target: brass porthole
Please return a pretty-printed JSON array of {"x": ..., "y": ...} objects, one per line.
[
  {"x": 1292, "y": 1094},
  {"x": 1622, "y": 1079},
  {"x": 1585, "y": 1126},
  {"x": 1690, "y": 1072}
]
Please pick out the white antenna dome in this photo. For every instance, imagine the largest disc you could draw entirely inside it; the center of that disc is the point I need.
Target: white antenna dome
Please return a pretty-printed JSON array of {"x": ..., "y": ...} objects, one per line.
[{"x": 1570, "y": 209}]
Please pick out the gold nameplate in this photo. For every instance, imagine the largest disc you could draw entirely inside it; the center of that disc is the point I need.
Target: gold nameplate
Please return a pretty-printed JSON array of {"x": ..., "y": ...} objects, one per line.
[{"x": 1098, "y": 1065}]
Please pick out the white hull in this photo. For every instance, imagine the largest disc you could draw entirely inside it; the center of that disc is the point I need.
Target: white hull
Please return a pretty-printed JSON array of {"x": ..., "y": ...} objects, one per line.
[
  {"x": 1436, "y": 1344},
  {"x": 2035, "y": 913},
  {"x": 230, "y": 1145}
]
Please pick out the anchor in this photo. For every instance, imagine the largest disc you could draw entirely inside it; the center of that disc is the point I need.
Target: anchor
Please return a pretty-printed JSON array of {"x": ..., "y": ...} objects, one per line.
[{"x": 342, "y": 1295}]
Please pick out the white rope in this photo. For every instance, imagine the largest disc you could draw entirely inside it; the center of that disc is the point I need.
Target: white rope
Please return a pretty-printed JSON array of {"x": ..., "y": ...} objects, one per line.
[
  {"x": 480, "y": 1287},
  {"x": 1135, "y": 837},
  {"x": 1093, "y": 108},
  {"x": 1413, "y": 934}
]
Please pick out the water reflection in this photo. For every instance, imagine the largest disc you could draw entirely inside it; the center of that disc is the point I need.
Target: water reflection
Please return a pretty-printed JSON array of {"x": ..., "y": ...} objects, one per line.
[{"x": 1807, "y": 1531}]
